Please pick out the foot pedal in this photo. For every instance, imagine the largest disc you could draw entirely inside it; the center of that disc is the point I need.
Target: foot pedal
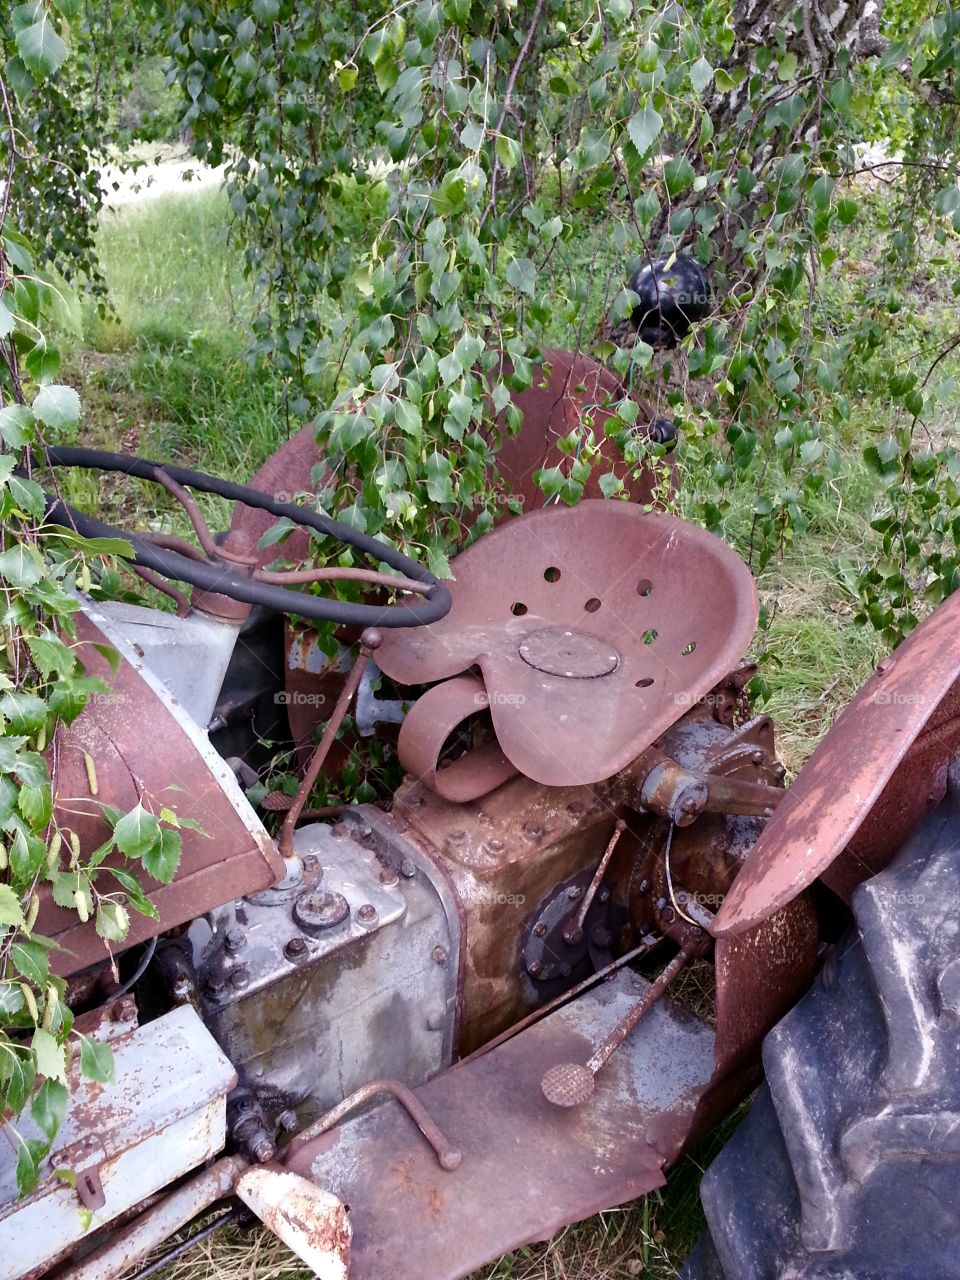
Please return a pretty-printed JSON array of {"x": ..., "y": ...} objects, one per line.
[{"x": 528, "y": 1168}]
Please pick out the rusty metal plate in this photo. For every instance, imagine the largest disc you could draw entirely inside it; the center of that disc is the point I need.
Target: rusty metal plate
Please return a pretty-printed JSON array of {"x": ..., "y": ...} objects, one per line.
[
  {"x": 594, "y": 628},
  {"x": 845, "y": 776},
  {"x": 527, "y": 1168},
  {"x": 145, "y": 748},
  {"x": 760, "y": 976}
]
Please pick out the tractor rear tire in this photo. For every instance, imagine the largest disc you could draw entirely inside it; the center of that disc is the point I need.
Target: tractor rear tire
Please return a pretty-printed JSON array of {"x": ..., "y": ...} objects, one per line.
[{"x": 848, "y": 1164}]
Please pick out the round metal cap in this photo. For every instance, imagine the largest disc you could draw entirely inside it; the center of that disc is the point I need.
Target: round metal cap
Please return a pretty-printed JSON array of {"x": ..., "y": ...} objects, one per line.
[
  {"x": 320, "y": 909},
  {"x": 568, "y": 1084},
  {"x": 560, "y": 652}
]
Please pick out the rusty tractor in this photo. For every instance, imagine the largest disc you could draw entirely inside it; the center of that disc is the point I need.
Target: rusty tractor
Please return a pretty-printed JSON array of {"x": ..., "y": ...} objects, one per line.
[{"x": 414, "y": 1035}]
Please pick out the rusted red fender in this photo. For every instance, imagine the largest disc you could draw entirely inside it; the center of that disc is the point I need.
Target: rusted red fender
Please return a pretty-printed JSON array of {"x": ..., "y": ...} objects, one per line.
[
  {"x": 146, "y": 749},
  {"x": 556, "y": 401},
  {"x": 871, "y": 780}
]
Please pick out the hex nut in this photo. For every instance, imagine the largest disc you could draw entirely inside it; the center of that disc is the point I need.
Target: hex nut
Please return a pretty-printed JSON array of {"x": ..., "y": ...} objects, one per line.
[
  {"x": 296, "y": 948},
  {"x": 366, "y": 915}
]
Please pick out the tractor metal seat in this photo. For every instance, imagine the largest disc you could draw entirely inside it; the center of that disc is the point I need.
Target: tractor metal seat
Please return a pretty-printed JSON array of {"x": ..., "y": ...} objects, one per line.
[{"x": 593, "y": 628}]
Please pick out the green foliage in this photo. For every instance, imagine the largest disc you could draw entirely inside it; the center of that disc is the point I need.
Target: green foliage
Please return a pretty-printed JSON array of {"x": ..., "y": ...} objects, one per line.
[
  {"x": 44, "y": 683},
  {"x": 486, "y": 137}
]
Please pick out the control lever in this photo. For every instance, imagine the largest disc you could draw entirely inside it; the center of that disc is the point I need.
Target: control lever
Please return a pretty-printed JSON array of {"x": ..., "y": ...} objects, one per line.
[{"x": 569, "y": 1084}]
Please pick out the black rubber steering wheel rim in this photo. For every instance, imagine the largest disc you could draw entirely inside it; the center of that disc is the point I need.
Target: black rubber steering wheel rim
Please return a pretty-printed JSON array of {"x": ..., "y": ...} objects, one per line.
[{"x": 221, "y": 579}]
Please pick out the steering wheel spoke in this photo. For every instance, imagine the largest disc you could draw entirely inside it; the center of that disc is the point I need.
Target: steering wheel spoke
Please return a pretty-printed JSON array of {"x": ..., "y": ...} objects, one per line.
[{"x": 227, "y": 572}]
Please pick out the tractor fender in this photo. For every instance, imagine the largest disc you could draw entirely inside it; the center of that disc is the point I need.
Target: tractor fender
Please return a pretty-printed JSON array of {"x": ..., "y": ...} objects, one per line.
[
  {"x": 878, "y": 772},
  {"x": 566, "y": 389}
]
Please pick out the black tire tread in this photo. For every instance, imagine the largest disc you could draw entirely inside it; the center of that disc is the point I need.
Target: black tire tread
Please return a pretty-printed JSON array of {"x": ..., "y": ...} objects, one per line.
[{"x": 848, "y": 1165}]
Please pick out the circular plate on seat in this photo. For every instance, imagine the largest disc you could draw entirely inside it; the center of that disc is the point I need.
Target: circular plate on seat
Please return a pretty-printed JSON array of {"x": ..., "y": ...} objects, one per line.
[{"x": 594, "y": 628}]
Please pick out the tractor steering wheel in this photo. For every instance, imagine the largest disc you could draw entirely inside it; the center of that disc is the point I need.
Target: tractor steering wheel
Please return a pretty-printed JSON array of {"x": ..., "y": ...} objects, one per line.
[{"x": 230, "y": 572}]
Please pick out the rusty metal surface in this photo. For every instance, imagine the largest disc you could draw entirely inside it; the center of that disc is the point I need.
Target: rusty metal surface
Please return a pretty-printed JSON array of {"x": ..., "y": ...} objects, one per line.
[
  {"x": 125, "y": 1139},
  {"x": 146, "y": 748},
  {"x": 448, "y": 1157},
  {"x": 570, "y": 1084},
  {"x": 670, "y": 606},
  {"x": 509, "y": 852},
  {"x": 505, "y": 855},
  {"x": 315, "y": 1225},
  {"x": 552, "y": 406},
  {"x": 571, "y": 391},
  {"x": 916, "y": 788},
  {"x": 760, "y": 975},
  {"x": 527, "y": 1169},
  {"x": 134, "y": 1242},
  {"x": 427, "y": 726},
  {"x": 850, "y": 769}
]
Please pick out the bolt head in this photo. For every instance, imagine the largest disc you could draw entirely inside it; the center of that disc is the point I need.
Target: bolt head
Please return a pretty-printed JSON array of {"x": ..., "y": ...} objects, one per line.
[
  {"x": 295, "y": 949},
  {"x": 367, "y": 914},
  {"x": 407, "y": 868},
  {"x": 533, "y": 829},
  {"x": 534, "y": 967},
  {"x": 264, "y": 1151},
  {"x": 234, "y": 940},
  {"x": 239, "y": 979},
  {"x": 389, "y": 878},
  {"x": 540, "y": 930},
  {"x": 457, "y": 836},
  {"x": 574, "y": 892},
  {"x": 439, "y": 955},
  {"x": 310, "y": 862}
]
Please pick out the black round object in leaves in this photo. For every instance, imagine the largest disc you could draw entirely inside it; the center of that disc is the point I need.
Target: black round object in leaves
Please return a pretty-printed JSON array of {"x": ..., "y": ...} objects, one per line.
[
  {"x": 674, "y": 294},
  {"x": 848, "y": 1165},
  {"x": 663, "y": 431}
]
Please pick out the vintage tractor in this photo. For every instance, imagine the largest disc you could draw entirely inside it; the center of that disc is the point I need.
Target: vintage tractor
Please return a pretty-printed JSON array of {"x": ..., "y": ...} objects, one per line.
[{"x": 415, "y": 1035}]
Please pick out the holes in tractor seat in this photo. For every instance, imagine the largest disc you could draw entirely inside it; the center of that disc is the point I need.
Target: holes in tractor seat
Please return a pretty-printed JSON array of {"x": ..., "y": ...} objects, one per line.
[
  {"x": 552, "y": 574},
  {"x": 644, "y": 587},
  {"x": 518, "y": 609},
  {"x": 645, "y": 683},
  {"x": 592, "y": 605},
  {"x": 688, "y": 648},
  {"x": 650, "y": 636}
]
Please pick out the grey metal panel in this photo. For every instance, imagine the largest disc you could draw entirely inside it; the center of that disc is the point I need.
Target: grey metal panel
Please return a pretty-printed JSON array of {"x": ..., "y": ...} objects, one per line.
[{"x": 164, "y": 1114}]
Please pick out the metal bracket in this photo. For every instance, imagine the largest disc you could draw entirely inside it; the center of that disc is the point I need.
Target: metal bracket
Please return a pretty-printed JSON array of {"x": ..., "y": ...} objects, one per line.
[{"x": 90, "y": 1191}]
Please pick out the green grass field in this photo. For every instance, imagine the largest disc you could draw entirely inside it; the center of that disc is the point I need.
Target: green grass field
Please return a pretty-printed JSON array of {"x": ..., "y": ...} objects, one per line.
[{"x": 167, "y": 376}]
